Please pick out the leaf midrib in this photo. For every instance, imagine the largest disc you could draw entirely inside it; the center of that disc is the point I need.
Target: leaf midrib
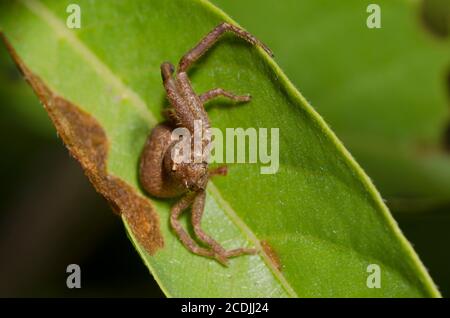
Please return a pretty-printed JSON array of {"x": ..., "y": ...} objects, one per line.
[{"x": 41, "y": 11}]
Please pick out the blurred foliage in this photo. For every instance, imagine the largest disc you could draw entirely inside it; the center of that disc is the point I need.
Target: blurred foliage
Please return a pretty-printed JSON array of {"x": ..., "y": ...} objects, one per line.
[
  {"x": 383, "y": 91},
  {"x": 436, "y": 16},
  {"x": 20, "y": 106}
]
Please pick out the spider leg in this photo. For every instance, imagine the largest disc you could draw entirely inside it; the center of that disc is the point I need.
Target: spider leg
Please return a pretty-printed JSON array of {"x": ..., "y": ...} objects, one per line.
[
  {"x": 207, "y": 96},
  {"x": 240, "y": 251},
  {"x": 220, "y": 253},
  {"x": 211, "y": 38},
  {"x": 184, "y": 237},
  {"x": 197, "y": 212},
  {"x": 171, "y": 115},
  {"x": 219, "y": 171}
]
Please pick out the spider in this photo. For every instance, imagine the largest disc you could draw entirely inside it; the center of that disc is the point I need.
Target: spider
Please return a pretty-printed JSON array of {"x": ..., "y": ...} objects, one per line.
[{"x": 162, "y": 176}]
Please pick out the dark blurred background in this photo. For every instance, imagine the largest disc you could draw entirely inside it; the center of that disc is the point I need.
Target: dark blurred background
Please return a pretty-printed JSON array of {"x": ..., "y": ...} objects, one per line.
[{"x": 51, "y": 216}]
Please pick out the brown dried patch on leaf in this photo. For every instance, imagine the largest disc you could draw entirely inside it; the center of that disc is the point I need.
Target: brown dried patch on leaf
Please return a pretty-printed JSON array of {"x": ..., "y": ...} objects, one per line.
[
  {"x": 270, "y": 252},
  {"x": 87, "y": 142}
]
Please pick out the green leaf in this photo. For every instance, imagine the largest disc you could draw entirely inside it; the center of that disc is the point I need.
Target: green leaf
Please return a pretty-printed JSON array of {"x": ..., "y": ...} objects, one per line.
[
  {"x": 321, "y": 216},
  {"x": 383, "y": 91}
]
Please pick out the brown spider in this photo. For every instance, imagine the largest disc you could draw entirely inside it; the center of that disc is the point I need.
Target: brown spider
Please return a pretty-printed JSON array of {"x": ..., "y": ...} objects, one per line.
[{"x": 160, "y": 175}]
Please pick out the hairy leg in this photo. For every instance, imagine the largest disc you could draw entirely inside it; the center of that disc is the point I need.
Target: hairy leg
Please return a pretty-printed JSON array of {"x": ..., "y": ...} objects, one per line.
[
  {"x": 220, "y": 253},
  {"x": 211, "y": 38},
  {"x": 219, "y": 171},
  {"x": 184, "y": 237},
  {"x": 197, "y": 212},
  {"x": 240, "y": 251},
  {"x": 205, "y": 97},
  {"x": 171, "y": 115}
]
